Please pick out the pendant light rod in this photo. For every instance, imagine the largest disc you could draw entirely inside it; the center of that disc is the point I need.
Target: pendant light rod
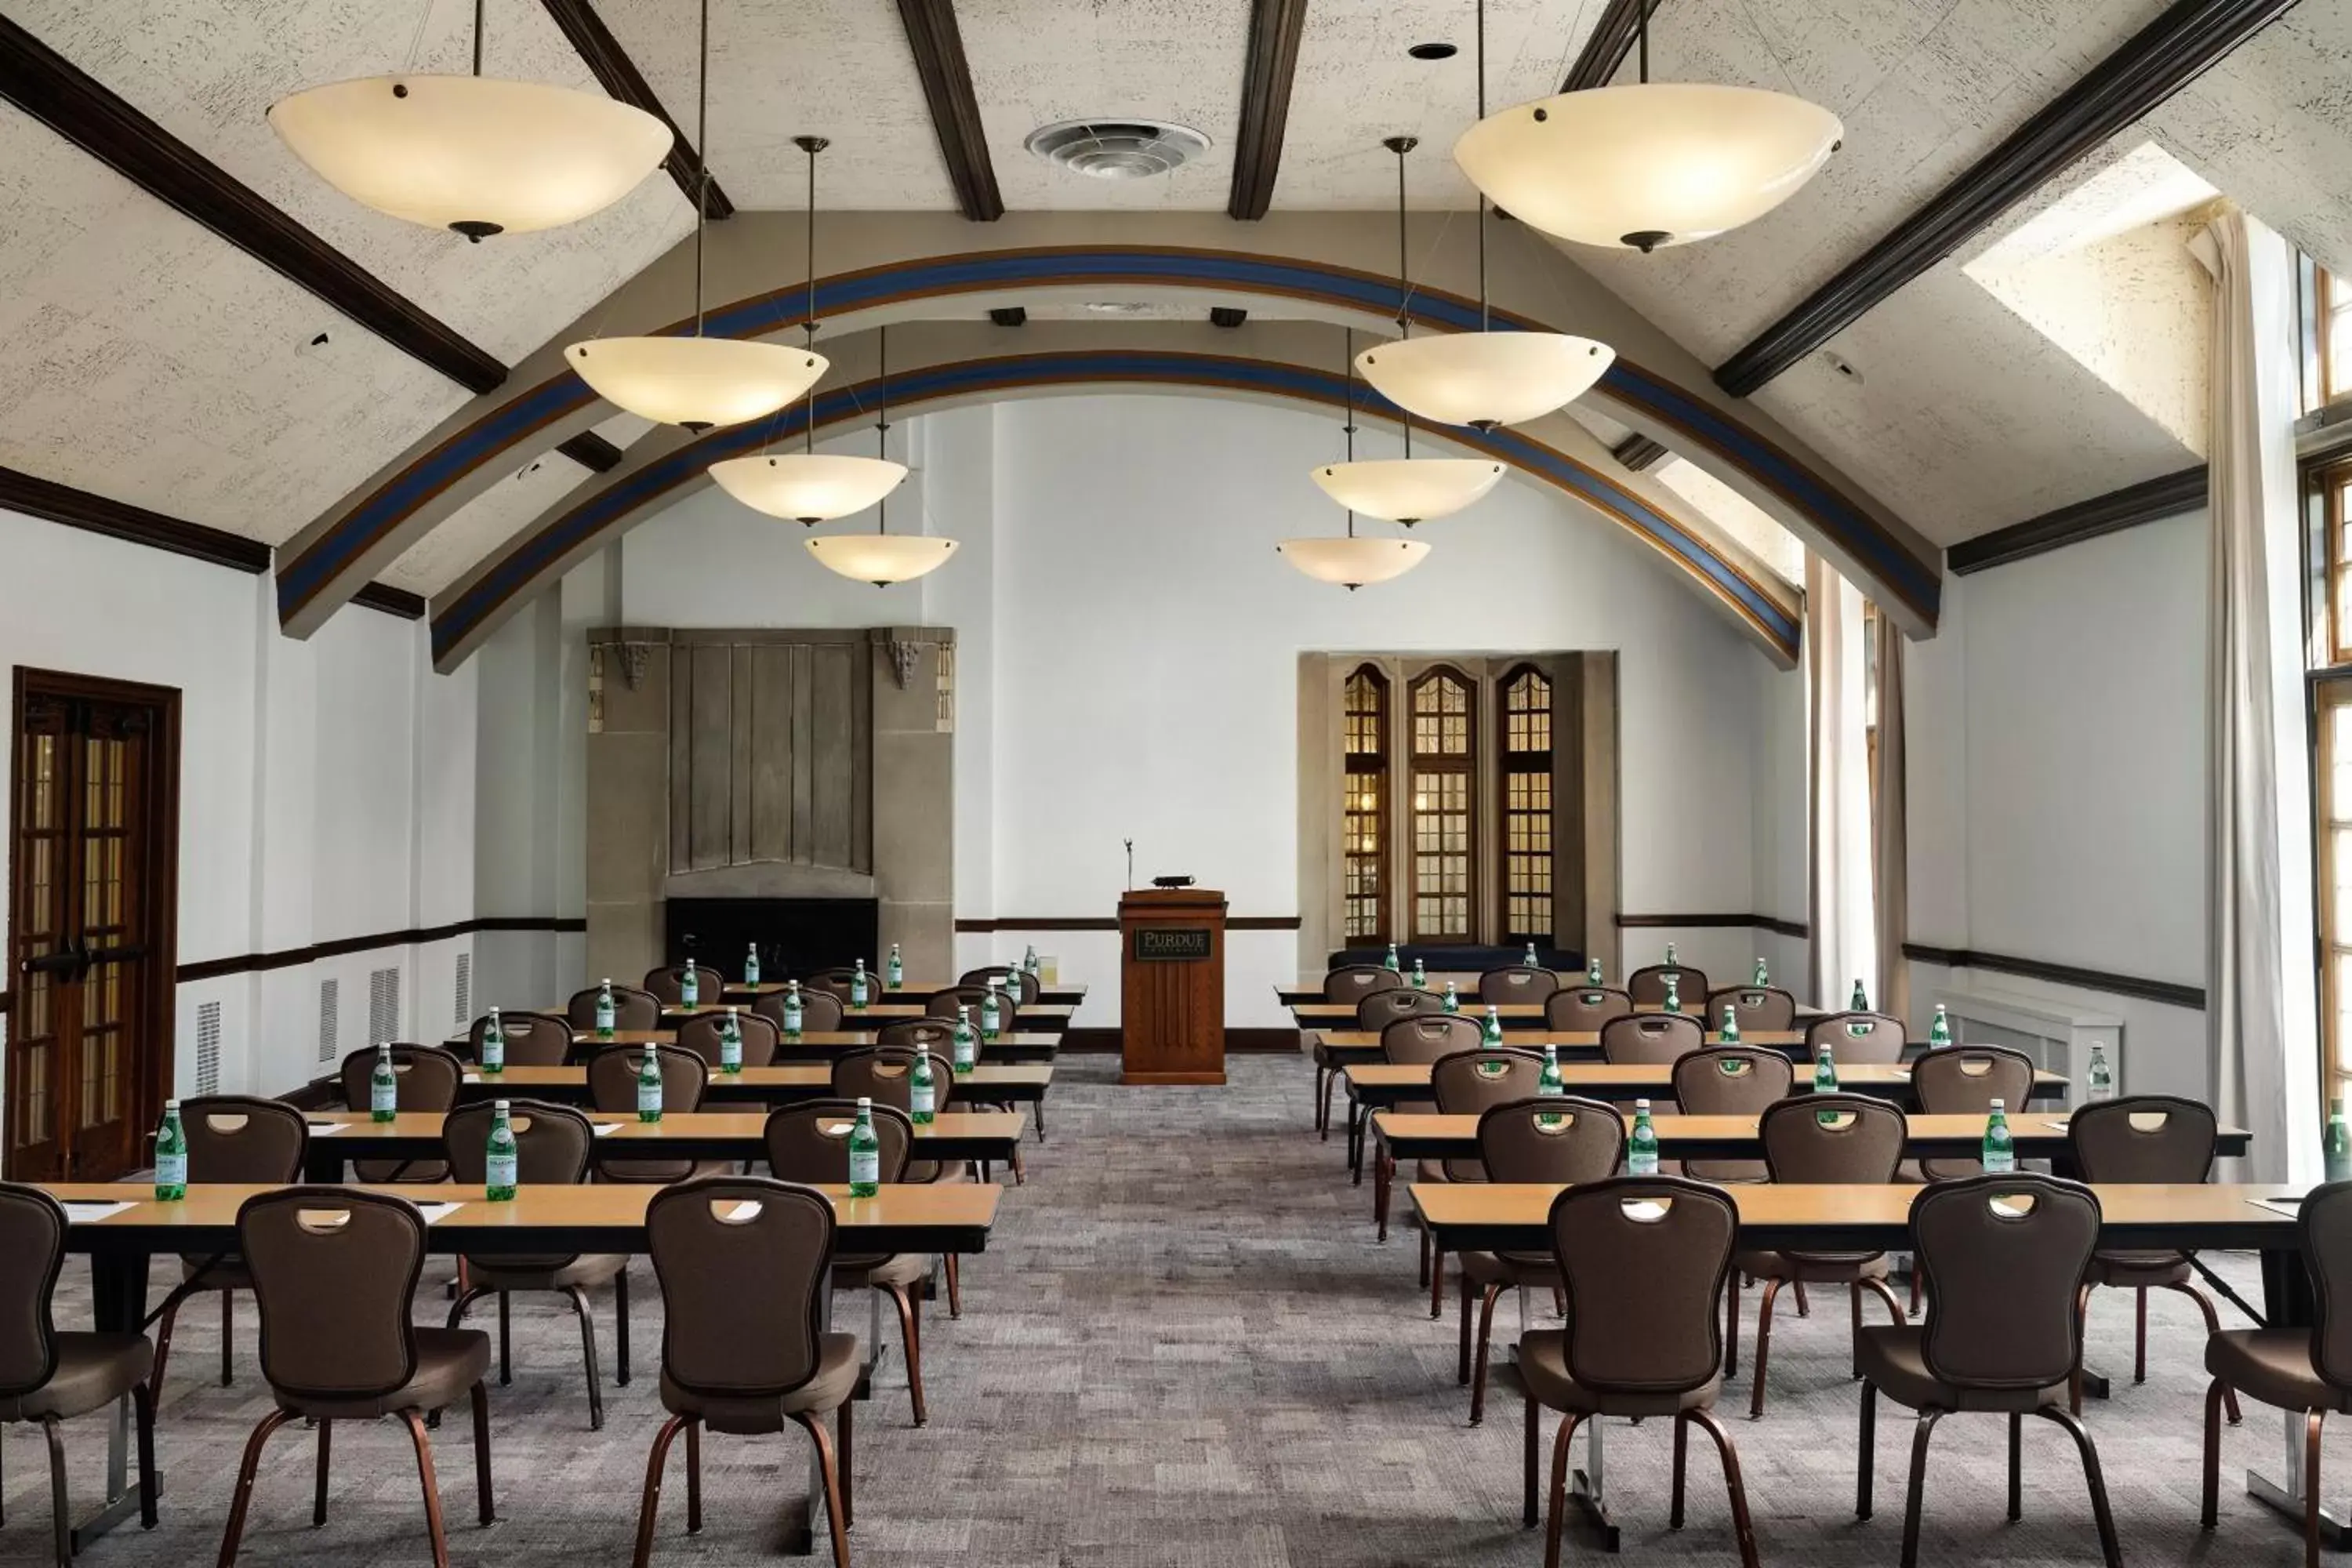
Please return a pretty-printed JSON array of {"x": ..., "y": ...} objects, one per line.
[
  {"x": 1484, "y": 323},
  {"x": 812, "y": 146},
  {"x": 882, "y": 416},
  {"x": 1401, "y": 145},
  {"x": 1642, "y": 40},
  {"x": 478, "y": 37},
  {"x": 1348, "y": 359},
  {"x": 702, "y": 158}
]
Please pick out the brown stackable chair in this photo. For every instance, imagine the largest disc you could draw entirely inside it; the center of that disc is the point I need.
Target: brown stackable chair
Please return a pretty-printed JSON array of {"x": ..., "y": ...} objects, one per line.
[
  {"x": 885, "y": 1075},
  {"x": 1470, "y": 1083},
  {"x": 1865, "y": 1039},
  {"x": 1016, "y": 982},
  {"x": 1423, "y": 1038},
  {"x": 936, "y": 1036},
  {"x": 1378, "y": 1010},
  {"x": 2306, "y": 1370},
  {"x": 429, "y": 1079},
  {"x": 743, "y": 1263},
  {"x": 537, "y": 1039},
  {"x": 1349, "y": 984},
  {"x": 1964, "y": 1080},
  {"x": 1730, "y": 1080},
  {"x": 47, "y": 1377},
  {"x": 1755, "y": 1007},
  {"x": 1860, "y": 1143},
  {"x": 1563, "y": 1139},
  {"x": 809, "y": 1142},
  {"x": 232, "y": 1138},
  {"x": 943, "y": 1004},
  {"x": 334, "y": 1272},
  {"x": 632, "y": 1008},
  {"x": 1644, "y": 1258},
  {"x": 666, "y": 982},
  {"x": 1647, "y": 986},
  {"x": 1516, "y": 984},
  {"x": 2004, "y": 1255},
  {"x": 612, "y": 1091},
  {"x": 763, "y": 1036},
  {"x": 821, "y": 1011},
  {"x": 834, "y": 982},
  {"x": 1651, "y": 1039},
  {"x": 1581, "y": 1007},
  {"x": 553, "y": 1146},
  {"x": 2155, "y": 1138}
]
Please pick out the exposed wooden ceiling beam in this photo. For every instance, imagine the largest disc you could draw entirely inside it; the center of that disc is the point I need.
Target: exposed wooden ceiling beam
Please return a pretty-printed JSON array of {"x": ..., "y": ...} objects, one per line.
[
  {"x": 1606, "y": 51},
  {"x": 2157, "y": 62},
  {"x": 623, "y": 81},
  {"x": 1273, "y": 62},
  {"x": 2167, "y": 495},
  {"x": 937, "y": 44},
  {"x": 1638, "y": 453},
  {"x": 591, "y": 451},
  {"x": 74, "y": 104}
]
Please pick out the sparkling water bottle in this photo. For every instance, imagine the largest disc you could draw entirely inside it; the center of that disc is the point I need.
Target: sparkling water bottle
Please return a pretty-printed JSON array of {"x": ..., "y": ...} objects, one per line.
[
  {"x": 2336, "y": 1150},
  {"x": 897, "y": 968},
  {"x": 172, "y": 1156},
  {"x": 865, "y": 1153},
  {"x": 1529, "y": 957},
  {"x": 1861, "y": 1002},
  {"x": 2103, "y": 1083},
  {"x": 502, "y": 1165},
  {"x": 1763, "y": 976},
  {"x": 792, "y": 1009},
  {"x": 752, "y": 965},
  {"x": 966, "y": 1048},
  {"x": 859, "y": 990},
  {"x": 1939, "y": 1031},
  {"x": 1452, "y": 1002},
  {"x": 1730, "y": 1036},
  {"x": 1670, "y": 956},
  {"x": 1642, "y": 1148},
  {"x": 1390, "y": 962},
  {"x": 1420, "y": 976},
  {"x": 493, "y": 1053},
  {"x": 991, "y": 1016},
  {"x": 730, "y": 1044},
  {"x": 1494, "y": 1030},
  {"x": 1593, "y": 973},
  {"x": 384, "y": 1087},
  {"x": 1825, "y": 1081},
  {"x": 604, "y": 1011},
  {"x": 922, "y": 1091},
  {"x": 2000, "y": 1153},
  {"x": 1673, "y": 992},
  {"x": 649, "y": 1085},
  {"x": 689, "y": 985}
]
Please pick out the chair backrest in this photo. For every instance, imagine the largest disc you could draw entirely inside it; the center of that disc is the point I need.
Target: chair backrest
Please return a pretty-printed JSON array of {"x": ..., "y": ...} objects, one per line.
[
  {"x": 885, "y": 1075},
  {"x": 743, "y": 1263},
  {"x": 1644, "y": 1259},
  {"x": 1471, "y": 1083},
  {"x": 1963, "y": 1081},
  {"x": 334, "y": 1273},
  {"x": 710, "y": 986},
  {"x": 428, "y": 1076},
  {"x": 1651, "y": 1039},
  {"x": 1354, "y": 982},
  {"x": 821, "y": 1011},
  {"x": 1378, "y": 1009},
  {"x": 552, "y": 1142},
  {"x": 237, "y": 1138},
  {"x": 1520, "y": 983},
  {"x": 2143, "y": 1138},
  {"x": 1860, "y": 1142},
  {"x": 1731, "y": 1081},
  {"x": 631, "y": 1008},
  {"x": 33, "y": 1240},
  {"x": 2325, "y": 1226},
  {"x": 1862, "y": 1038},
  {"x": 1559, "y": 1139},
  {"x": 1023, "y": 986},
  {"x": 538, "y": 1040},
  {"x": 936, "y": 1036},
  {"x": 1583, "y": 1007},
  {"x": 2004, "y": 1257},
  {"x": 808, "y": 1141},
  {"x": 834, "y": 982},
  {"x": 613, "y": 1079},
  {"x": 762, "y": 1037},
  {"x": 1426, "y": 1038},
  {"x": 1754, "y": 1007},
  {"x": 943, "y": 1004},
  {"x": 1647, "y": 986}
]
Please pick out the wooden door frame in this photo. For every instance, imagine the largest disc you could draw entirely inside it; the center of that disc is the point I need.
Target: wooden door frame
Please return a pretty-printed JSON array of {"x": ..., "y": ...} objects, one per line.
[{"x": 155, "y": 1008}]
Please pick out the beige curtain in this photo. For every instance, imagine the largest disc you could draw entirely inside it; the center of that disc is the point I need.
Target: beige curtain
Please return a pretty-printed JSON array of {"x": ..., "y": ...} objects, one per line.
[
  {"x": 2261, "y": 1009},
  {"x": 1845, "y": 944},
  {"x": 1890, "y": 891}
]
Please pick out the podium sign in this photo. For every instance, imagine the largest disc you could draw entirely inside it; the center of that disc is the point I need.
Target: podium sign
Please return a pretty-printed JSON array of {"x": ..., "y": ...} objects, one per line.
[{"x": 1172, "y": 985}]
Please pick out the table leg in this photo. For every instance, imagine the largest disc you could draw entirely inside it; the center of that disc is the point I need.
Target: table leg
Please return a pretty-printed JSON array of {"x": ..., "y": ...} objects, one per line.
[
  {"x": 2287, "y": 1304},
  {"x": 1383, "y": 1183},
  {"x": 1358, "y": 1121},
  {"x": 1040, "y": 1117},
  {"x": 118, "y": 1305},
  {"x": 1586, "y": 1488}
]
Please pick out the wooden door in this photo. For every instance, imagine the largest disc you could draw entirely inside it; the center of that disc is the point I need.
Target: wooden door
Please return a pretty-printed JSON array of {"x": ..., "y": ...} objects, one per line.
[{"x": 94, "y": 822}]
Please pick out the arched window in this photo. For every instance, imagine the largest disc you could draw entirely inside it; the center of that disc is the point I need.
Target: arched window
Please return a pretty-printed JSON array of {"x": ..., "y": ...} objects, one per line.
[
  {"x": 1364, "y": 837},
  {"x": 1444, "y": 809},
  {"x": 1527, "y": 808}
]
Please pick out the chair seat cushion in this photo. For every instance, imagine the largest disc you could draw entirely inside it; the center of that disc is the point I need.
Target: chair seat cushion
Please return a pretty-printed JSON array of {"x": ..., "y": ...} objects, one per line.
[
  {"x": 93, "y": 1371},
  {"x": 228, "y": 1273},
  {"x": 448, "y": 1363},
  {"x": 903, "y": 1270},
  {"x": 835, "y": 1380},
  {"x": 544, "y": 1273},
  {"x": 1536, "y": 1270},
  {"x": 1894, "y": 1358},
  {"x": 2139, "y": 1270},
  {"x": 2274, "y": 1366},
  {"x": 1812, "y": 1267},
  {"x": 1543, "y": 1366}
]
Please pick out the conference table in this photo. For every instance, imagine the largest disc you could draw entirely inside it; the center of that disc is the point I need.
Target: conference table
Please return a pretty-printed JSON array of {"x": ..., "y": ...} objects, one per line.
[
  {"x": 1309, "y": 988},
  {"x": 815, "y": 1045},
  {"x": 1061, "y": 994},
  {"x": 120, "y": 1227},
  {"x": 1004, "y": 1083},
  {"x": 1327, "y": 1017},
  {"x": 1036, "y": 1017},
  {"x": 1485, "y": 1216}
]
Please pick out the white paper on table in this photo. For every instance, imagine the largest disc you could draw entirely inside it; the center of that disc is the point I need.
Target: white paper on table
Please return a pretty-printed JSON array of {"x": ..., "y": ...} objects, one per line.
[
  {"x": 469, "y": 1078},
  {"x": 435, "y": 1213},
  {"x": 602, "y": 1129},
  {"x": 2291, "y": 1207},
  {"x": 89, "y": 1211},
  {"x": 324, "y": 1128}
]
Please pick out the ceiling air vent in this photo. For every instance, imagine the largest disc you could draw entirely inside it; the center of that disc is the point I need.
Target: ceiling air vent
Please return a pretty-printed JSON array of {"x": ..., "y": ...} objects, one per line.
[{"x": 1117, "y": 149}]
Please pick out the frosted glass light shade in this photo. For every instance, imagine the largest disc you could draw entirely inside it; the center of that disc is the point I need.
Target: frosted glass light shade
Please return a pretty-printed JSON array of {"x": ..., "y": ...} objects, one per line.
[
  {"x": 474, "y": 154},
  {"x": 1651, "y": 165},
  {"x": 808, "y": 487},
  {"x": 1351, "y": 563},
  {"x": 1409, "y": 489},
  {"x": 695, "y": 381},
  {"x": 881, "y": 559},
  {"x": 1484, "y": 379}
]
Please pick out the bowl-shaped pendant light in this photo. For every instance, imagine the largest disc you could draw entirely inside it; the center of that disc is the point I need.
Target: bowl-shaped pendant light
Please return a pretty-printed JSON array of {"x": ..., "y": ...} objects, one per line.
[
  {"x": 881, "y": 559},
  {"x": 1352, "y": 561},
  {"x": 1409, "y": 489},
  {"x": 1485, "y": 379},
  {"x": 808, "y": 487}
]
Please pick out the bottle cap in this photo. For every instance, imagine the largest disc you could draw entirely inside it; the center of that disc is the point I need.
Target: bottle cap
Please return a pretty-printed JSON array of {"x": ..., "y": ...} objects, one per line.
[
  {"x": 500, "y": 1106},
  {"x": 174, "y": 1105},
  {"x": 606, "y": 981},
  {"x": 865, "y": 1102},
  {"x": 1641, "y": 1105},
  {"x": 1993, "y": 1105}
]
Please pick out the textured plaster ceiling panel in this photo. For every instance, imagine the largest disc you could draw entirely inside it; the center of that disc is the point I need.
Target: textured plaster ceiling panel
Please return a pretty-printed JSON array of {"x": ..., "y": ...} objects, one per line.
[
  {"x": 781, "y": 68},
  {"x": 145, "y": 359},
  {"x": 1034, "y": 62},
  {"x": 489, "y": 519},
  {"x": 1355, "y": 84},
  {"x": 1747, "y": 525},
  {"x": 207, "y": 70}
]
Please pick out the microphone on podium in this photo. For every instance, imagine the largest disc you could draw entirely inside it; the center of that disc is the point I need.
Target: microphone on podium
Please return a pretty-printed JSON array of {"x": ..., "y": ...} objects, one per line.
[{"x": 1131, "y": 864}]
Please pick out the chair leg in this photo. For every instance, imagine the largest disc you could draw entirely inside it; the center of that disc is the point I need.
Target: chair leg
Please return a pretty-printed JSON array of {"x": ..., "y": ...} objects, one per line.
[
  {"x": 588, "y": 1354},
  {"x": 1912, "y": 1310},
  {"x": 1555, "y": 1497},
  {"x": 228, "y": 1332},
  {"x": 506, "y": 1340},
  {"x": 485, "y": 1505},
  {"x": 621, "y": 1327},
  {"x": 910, "y": 1332},
  {"x": 142, "y": 1406},
  {"x": 2082, "y": 1329},
  {"x": 2105, "y": 1517},
  {"x": 694, "y": 1477},
  {"x": 1854, "y": 1300},
  {"x": 1323, "y": 1102},
  {"x": 1682, "y": 1464},
  {"x": 2207, "y": 1516},
  {"x": 2016, "y": 1453},
  {"x": 163, "y": 1326},
  {"x": 649, "y": 1503},
  {"x": 242, "y": 1497},
  {"x": 1916, "y": 1493},
  {"x": 832, "y": 1476},
  {"x": 1894, "y": 1302},
  {"x": 1436, "y": 1281},
  {"x": 2139, "y": 1339},
  {"x": 424, "y": 1476},
  {"x": 843, "y": 1420},
  {"x": 955, "y": 1288},
  {"x": 1867, "y": 1451},
  {"x": 1743, "y": 1525},
  {"x": 1534, "y": 1439},
  {"x": 1804, "y": 1308},
  {"x": 1731, "y": 1323},
  {"x": 1763, "y": 1350},
  {"x": 465, "y": 1298},
  {"x": 60, "y": 1505},
  {"x": 1423, "y": 1278},
  {"x": 2212, "y": 1326},
  {"x": 1479, "y": 1369},
  {"x": 1462, "y": 1360},
  {"x": 2310, "y": 1488},
  {"x": 326, "y": 1458}
]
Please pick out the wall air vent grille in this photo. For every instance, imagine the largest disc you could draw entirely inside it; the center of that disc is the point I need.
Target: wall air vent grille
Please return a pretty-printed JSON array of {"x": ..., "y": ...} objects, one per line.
[
  {"x": 208, "y": 1036},
  {"x": 1117, "y": 149},
  {"x": 465, "y": 989},
  {"x": 384, "y": 1004},
  {"x": 329, "y": 1020}
]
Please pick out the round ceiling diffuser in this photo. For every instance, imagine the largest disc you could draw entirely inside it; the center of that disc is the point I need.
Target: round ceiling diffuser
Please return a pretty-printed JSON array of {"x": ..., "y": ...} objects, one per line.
[{"x": 1117, "y": 149}]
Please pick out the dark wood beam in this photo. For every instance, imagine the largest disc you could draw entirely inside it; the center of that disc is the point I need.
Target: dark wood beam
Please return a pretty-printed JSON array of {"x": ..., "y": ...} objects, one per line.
[
  {"x": 591, "y": 451},
  {"x": 621, "y": 79},
  {"x": 391, "y": 601},
  {"x": 1227, "y": 316},
  {"x": 1638, "y": 453},
  {"x": 2157, "y": 62},
  {"x": 61, "y": 95},
  {"x": 1273, "y": 62},
  {"x": 2168, "y": 495},
  {"x": 937, "y": 44},
  {"x": 137, "y": 525},
  {"x": 1010, "y": 315},
  {"x": 1611, "y": 43}
]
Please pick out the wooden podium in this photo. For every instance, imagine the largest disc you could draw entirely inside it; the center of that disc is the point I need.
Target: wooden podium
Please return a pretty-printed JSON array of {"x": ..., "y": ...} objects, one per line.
[{"x": 1171, "y": 993}]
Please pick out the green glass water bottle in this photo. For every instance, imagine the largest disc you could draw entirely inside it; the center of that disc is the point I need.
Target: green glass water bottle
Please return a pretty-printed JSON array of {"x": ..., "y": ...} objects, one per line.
[
  {"x": 1825, "y": 1080},
  {"x": 922, "y": 1091},
  {"x": 1494, "y": 1030},
  {"x": 2000, "y": 1153},
  {"x": 689, "y": 984},
  {"x": 752, "y": 965},
  {"x": 493, "y": 1053},
  {"x": 897, "y": 968},
  {"x": 1939, "y": 1031},
  {"x": 1029, "y": 959},
  {"x": 1529, "y": 957},
  {"x": 604, "y": 1011},
  {"x": 966, "y": 1046},
  {"x": 1861, "y": 1002},
  {"x": 858, "y": 987},
  {"x": 792, "y": 1010},
  {"x": 1763, "y": 976},
  {"x": 1673, "y": 1003},
  {"x": 2102, "y": 1079},
  {"x": 1642, "y": 1148},
  {"x": 502, "y": 1166},
  {"x": 991, "y": 1016},
  {"x": 2337, "y": 1148},
  {"x": 1670, "y": 956},
  {"x": 730, "y": 1045},
  {"x": 383, "y": 1086},
  {"x": 1420, "y": 976},
  {"x": 1453, "y": 1000},
  {"x": 1390, "y": 962},
  {"x": 172, "y": 1156},
  {"x": 865, "y": 1154},
  {"x": 1550, "y": 1085},
  {"x": 649, "y": 1085},
  {"x": 1730, "y": 1036},
  {"x": 1593, "y": 973}
]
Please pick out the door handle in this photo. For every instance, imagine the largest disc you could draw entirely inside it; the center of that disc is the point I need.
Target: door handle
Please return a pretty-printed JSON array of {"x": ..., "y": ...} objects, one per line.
[{"x": 65, "y": 960}]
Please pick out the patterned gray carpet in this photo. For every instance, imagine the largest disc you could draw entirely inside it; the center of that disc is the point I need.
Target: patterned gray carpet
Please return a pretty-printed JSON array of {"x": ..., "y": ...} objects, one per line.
[{"x": 1182, "y": 1350}]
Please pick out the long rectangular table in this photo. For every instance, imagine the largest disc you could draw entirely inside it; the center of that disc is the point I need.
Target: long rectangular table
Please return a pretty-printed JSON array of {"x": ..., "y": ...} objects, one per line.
[
  {"x": 1038, "y": 1017},
  {"x": 815, "y": 1045},
  {"x": 1062, "y": 993},
  {"x": 1345, "y": 1046},
  {"x": 1328, "y": 1016},
  {"x": 990, "y": 1083}
]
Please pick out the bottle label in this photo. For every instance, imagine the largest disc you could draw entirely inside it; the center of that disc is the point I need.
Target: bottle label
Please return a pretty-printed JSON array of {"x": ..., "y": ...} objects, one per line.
[
  {"x": 858, "y": 991},
  {"x": 2000, "y": 1162},
  {"x": 604, "y": 1017},
  {"x": 688, "y": 991},
  {"x": 921, "y": 1098},
  {"x": 494, "y": 1054},
  {"x": 1641, "y": 1163},
  {"x": 792, "y": 1021},
  {"x": 384, "y": 1099},
  {"x": 171, "y": 1170},
  {"x": 730, "y": 1053},
  {"x": 965, "y": 1055},
  {"x": 500, "y": 1172},
  {"x": 650, "y": 1098},
  {"x": 865, "y": 1167}
]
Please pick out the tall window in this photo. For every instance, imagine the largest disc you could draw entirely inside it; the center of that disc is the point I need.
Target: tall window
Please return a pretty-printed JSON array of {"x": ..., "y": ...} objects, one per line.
[
  {"x": 1527, "y": 808},
  {"x": 2331, "y": 497},
  {"x": 1444, "y": 826},
  {"x": 2331, "y": 331},
  {"x": 2329, "y": 488},
  {"x": 1364, "y": 813}
]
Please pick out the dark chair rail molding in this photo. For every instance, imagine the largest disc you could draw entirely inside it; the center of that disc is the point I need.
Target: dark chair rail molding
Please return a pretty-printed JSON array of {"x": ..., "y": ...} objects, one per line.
[
  {"x": 1111, "y": 922},
  {"x": 1760, "y": 922},
  {"x": 2150, "y": 500},
  {"x": 294, "y": 957},
  {"x": 2165, "y": 990}
]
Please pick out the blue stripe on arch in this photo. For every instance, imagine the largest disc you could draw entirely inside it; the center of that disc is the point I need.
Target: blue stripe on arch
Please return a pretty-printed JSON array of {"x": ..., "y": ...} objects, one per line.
[{"x": 616, "y": 500}]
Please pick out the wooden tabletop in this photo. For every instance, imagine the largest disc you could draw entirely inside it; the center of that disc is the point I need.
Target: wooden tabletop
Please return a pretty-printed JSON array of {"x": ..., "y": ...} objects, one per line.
[
  {"x": 1019, "y": 1046},
  {"x": 1011, "y": 1081},
  {"x": 1064, "y": 992},
  {"x": 2037, "y": 1135},
  {"x": 1036, "y": 1016},
  {"x": 1376, "y": 1081},
  {"x": 340, "y": 1136},
  {"x": 1345, "y": 1041}
]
